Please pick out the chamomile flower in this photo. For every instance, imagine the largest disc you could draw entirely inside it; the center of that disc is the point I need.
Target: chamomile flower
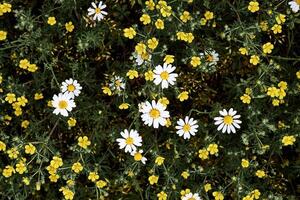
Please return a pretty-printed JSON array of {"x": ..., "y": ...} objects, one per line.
[
  {"x": 117, "y": 84},
  {"x": 130, "y": 140},
  {"x": 97, "y": 11},
  {"x": 63, "y": 103},
  {"x": 186, "y": 127},
  {"x": 163, "y": 75},
  {"x": 71, "y": 87},
  {"x": 228, "y": 121},
  {"x": 154, "y": 114},
  {"x": 211, "y": 57},
  {"x": 190, "y": 195},
  {"x": 138, "y": 156},
  {"x": 295, "y": 5}
]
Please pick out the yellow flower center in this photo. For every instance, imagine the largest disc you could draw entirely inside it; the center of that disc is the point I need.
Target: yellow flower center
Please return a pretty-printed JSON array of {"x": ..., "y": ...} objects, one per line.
[
  {"x": 297, "y": 2},
  {"x": 97, "y": 10},
  {"x": 129, "y": 141},
  {"x": 63, "y": 104},
  {"x": 192, "y": 198},
  {"x": 186, "y": 128},
  {"x": 164, "y": 75},
  {"x": 71, "y": 88},
  {"x": 209, "y": 58},
  {"x": 138, "y": 156},
  {"x": 154, "y": 113},
  {"x": 118, "y": 83},
  {"x": 228, "y": 119}
]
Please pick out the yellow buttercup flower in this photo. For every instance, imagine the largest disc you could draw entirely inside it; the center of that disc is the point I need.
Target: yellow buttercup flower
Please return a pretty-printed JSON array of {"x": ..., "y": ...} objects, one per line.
[
  {"x": 140, "y": 48},
  {"x": 169, "y": 59},
  {"x": 203, "y": 154},
  {"x": 185, "y": 16},
  {"x": 93, "y": 176},
  {"x": 164, "y": 101},
  {"x": 145, "y": 18},
  {"x": 25, "y": 124},
  {"x": 10, "y": 98},
  {"x": 152, "y": 43},
  {"x": 8, "y": 171},
  {"x": 149, "y": 75},
  {"x": 153, "y": 179},
  {"x": 208, "y": 15},
  {"x": 218, "y": 195},
  {"x": 129, "y": 33},
  {"x": 185, "y": 174},
  {"x": 3, "y": 35},
  {"x": 277, "y": 29},
  {"x": 162, "y": 196},
  {"x": 38, "y": 96},
  {"x": 260, "y": 173},
  {"x": 243, "y": 51},
  {"x": 51, "y": 21},
  {"x": 124, "y": 106},
  {"x": 84, "y": 142},
  {"x": 132, "y": 74},
  {"x": 69, "y": 27},
  {"x": 30, "y": 149},
  {"x": 288, "y": 140},
  {"x": 253, "y": 6},
  {"x": 246, "y": 99},
  {"x": 254, "y": 60},
  {"x": 101, "y": 184},
  {"x": 77, "y": 167},
  {"x": 273, "y": 92},
  {"x": 56, "y": 162},
  {"x": 150, "y": 4},
  {"x": 183, "y": 96},
  {"x": 268, "y": 47},
  {"x": 159, "y": 24},
  {"x": 245, "y": 163},
  {"x": 195, "y": 61},
  {"x": 72, "y": 122},
  {"x": 207, "y": 187},
  {"x": 159, "y": 160},
  {"x": 280, "y": 19},
  {"x": 20, "y": 167},
  {"x": 213, "y": 149},
  {"x": 2, "y": 146},
  {"x": 106, "y": 90}
]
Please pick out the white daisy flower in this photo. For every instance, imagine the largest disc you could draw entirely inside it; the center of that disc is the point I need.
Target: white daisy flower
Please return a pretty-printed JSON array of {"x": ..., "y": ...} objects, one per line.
[
  {"x": 295, "y": 5},
  {"x": 154, "y": 114},
  {"x": 187, "y": 127},
  {"x": 71, "y": 87},
  {"x": 228, "y": 122},
  {"x": 117, "y": 84},
  {"x": 190, "y": 196},
  {"x": 137, "y": 155},
  {"x": 63, "y": 103},
  {"x": 164, "y": 76},
  {"x": 211, "y": 56},
  {"x": 140, "y": 60},
  {"x": 130, "y": 140},
  {"x": 97, "y": 11}
]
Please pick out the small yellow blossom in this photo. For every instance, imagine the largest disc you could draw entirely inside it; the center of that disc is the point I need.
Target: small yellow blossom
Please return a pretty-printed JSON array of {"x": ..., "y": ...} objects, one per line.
[
  {"x": 218, "y": 195},
  {"x": 245, "y": 163},
  {"x": 153, "y": 179},
  {"x": 185, "y": 174},
  {"x": 106, "y": 90},
  {"x": 162, "y": 196},
  {"x": 38, "y": 96},
  {"x": 246, "y": 99},
  {"x": 51, "y": 21},
  {"x": 72, "y": 122},
  {"x": 10, "y": 98},
  {"x": 132, "y": 74},
  {"x": 273, "y": 92},
  {"x": 8, "y": 171},
  {"x": 254, "y": 59},
  {"x": 140, "y": 48},
  {"x": 25, "y": 124},
  {"x": 124, "y": 106},
  {"x": 69, "y": 27},
  {"x": 159, "y": 24},
  {"x": 145, "y": 19},
  {"x": 288, "y": 140},
  {"x": 260, "y": 173},
  {"x": 77, "y": 167},
  {"x": 277, "y": 28},
  {"x": 183, "y": 96},
  {"x": 203, "y": 154},
  {"x": 164, "y": 101},
  {"x": 152, "y": 43},
  {"x": 2, "y": 146},
  {"x": 168, "y": 59},
  {"x": 243, "y": 51},
  {"x": 195, "y": 61},
  {"x": 207, "y": 187},
  {"x": 56, "y": 162},
  {"x": 150, "y": 4},
  {"x": 3, "y": 35},
  {"x": 93, "y": 176},
  {"x": 185, "y": 16},
  {"x": 13, "y": 153},
  {"x": 213, "y": 149},
  {"x": 84, "y": 142},
  {"x": 129, "y": 33},
  {"x": 159, "y": 160},
  {"x": 149, "y": 75},
  {"x": 30, "y": 149},
  {"x": 208, "y": 15},
  {"x": 101, "y": 184},
  {"x": 253, "y": 6}
]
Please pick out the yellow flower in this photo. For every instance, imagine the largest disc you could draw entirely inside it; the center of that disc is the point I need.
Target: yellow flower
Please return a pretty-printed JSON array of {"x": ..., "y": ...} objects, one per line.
[
  {"x": 203, "y": 154},
  {"x": 22, "y": 101},
  {"x": 3, "y": 35},
  {"x": 159, "y": 160},
  {"x": 26, "y": 180},
  {"x": 254, "y": 59},
  {"x": 207, "y": 187},
  {"x": 152, "y": 43},
  {"x": 273, "y": 92},
  {"x": 25, "y": 124},
  {"x": 8, "y": 171},
  {"x": 184, "y": 192},
  {"x": 195, "y": 61},
  {"x": 132, "y": 74},
  {"x": 168, "y": 59},
  {"x": 246, "y": 99},
  {"x": 69, "y": 27},
  {"x": 218, "y": 195},
  {"x": 93, "y": 176},
  {"x": 248, "y": 197},
  {"x": 106, "y": 90},
  {"x": 101, "y": 184},
  {"x": 149, "y": 75},
  {"x": 213, "y": 149},
  {"x": 264, "y": 25},
  {"x": 268, "y": 47},
  {"x": 189, "y": 37},
  {"x": 162, "y": 196},
  {"x": 298, "y": 74},
  {"x": 153, "y": 179},
  {"x": 183, "y": 96},
  {"x": 6, "y": 7},
  {"x": 275, "y": 102},
  {"x": 245, "y": 163},
  {"x": 255, "y": 194},
  {"x": 150, "y": 4},
  {"x": 71, "y": 122},
  {"x": 159, "y": 24},
  {"x": 77, "y": 167},
  {"x": 30, "y": 149},
  {"x": 56, "y": 162},
  {"x": 124, "y": 106},
  {"x": 10, "y": 98},
  {"x": 21, "y": 167},
  {"x": 260, "y": 173},
  {"x": 140, "y": 48},
  {"x": 288, "y": 140},
  {"x": 2, "y": 146},
  {"x": 84, "y": 142},
  {"x": 38, "y": 96},
  {"x": 166, "y": 11},
  {"x": 13, "y": 153},
  {"x": 243, "y": 51},
  {"x": 32, "y": 67},
  {"x": 51, "y": 21},
  {"x": 185, "y": 16},
  {"x": 145, "y": 19},
  {"x": 68, "y": 194},
  {"x": 129, "y": 33},
  {"x": 185, "y": 174},
  {"x": 168, "y": 122},
  {"x": 253, "y": 6},
  {"x": 282, "y": 85},
  {"x": 280, "y": 19},
  {"x": 208, "y": 15},
  {"x": 277, "y": 28},
  {"x": 164, "y": 101}
]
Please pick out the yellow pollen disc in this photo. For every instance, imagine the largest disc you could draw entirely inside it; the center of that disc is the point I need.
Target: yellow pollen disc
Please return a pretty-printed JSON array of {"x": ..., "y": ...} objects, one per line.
[
  {"x": 209, "y": 58},
  {"x": 129, "y": 141},
  {"x": 138, "y": 156},
  {"x": 117, "y": 83},
  {"x": 192, "y": 198},
  {"x": 164, "y": 75},
  {"x": 228, "y": 119},
  {"x": 71, "y": 88},
  {"x": 63, "y": 104},
  {"x": 186, "y": 128},
  {"x": 97, "y": 10},
  {"x": 154, "y": 113},
  {"x": 297, "y": 2}
]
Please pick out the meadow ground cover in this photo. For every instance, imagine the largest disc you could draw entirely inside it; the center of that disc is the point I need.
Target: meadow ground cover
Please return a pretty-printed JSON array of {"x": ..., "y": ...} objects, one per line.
[{"x": 131, "y": 99}]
